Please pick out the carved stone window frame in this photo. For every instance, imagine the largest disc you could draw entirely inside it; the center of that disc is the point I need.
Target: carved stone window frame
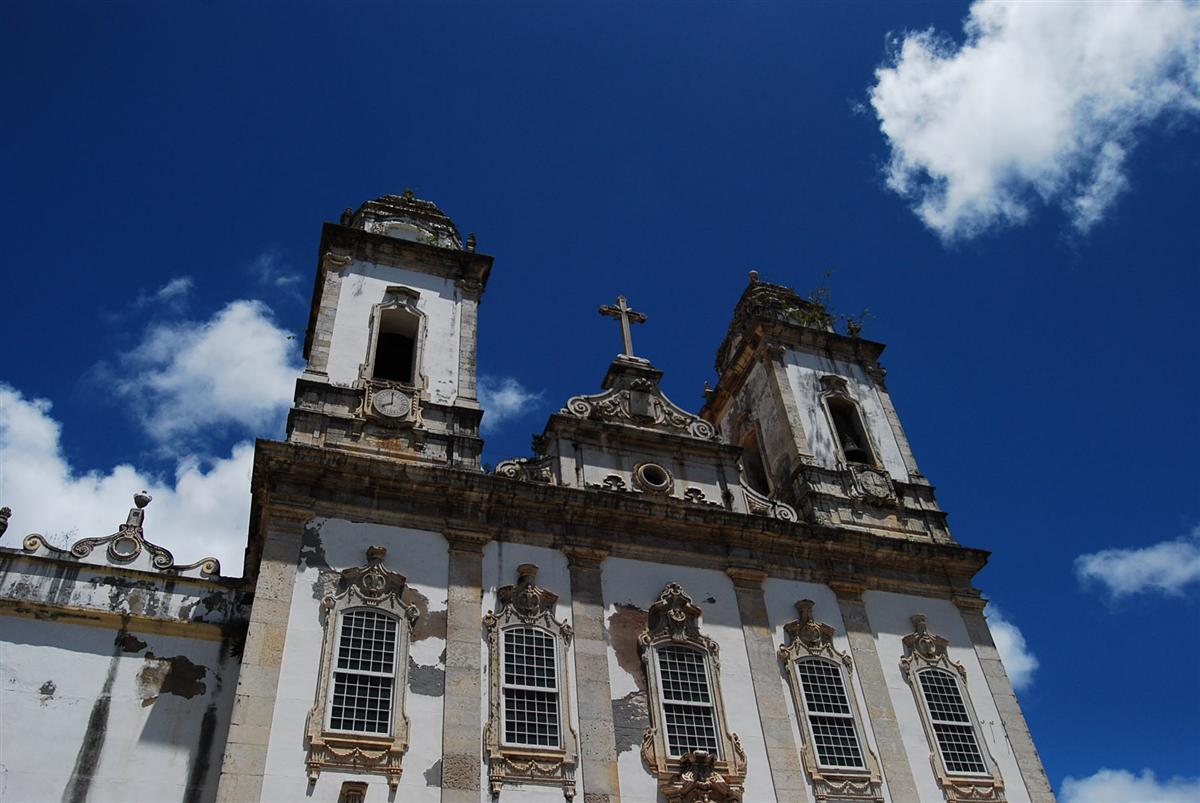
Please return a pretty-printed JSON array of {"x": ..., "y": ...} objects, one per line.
[
  {"x": 526, "y": 605},
  {"x": 925, "y": 651},
  {"x": 379, "y": 589},
  {"x": 836, "y": 389},
  {"x": 404, "y": 299},
  {"x": 810, "y": 640},
  {"x": 698, "y": 776}
]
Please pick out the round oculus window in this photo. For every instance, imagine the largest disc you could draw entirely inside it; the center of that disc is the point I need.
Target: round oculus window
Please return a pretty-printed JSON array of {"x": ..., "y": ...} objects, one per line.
[{"x": 653, "y": 477}]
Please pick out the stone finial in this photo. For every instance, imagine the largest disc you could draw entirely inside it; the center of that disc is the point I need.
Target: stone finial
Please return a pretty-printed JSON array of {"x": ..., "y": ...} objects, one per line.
[
  {"x": 920, "y": 623},
  {"x": 471, "y": 241},
  {"x": 5, "y": 513},
  {"x": 753, "y": 277},
  {"x": 142, "y": 498}
]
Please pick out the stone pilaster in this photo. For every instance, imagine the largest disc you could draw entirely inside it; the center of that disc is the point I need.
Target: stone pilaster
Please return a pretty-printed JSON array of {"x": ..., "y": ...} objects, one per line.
[
  {"x": 468, "y": 330},
  {"x": 877, "y": 374},
  {"x": 781, "y": 389},
  {"x": 1015, "y": 727},
  {"x": 597, "y": 737},
  {"x": 318, "y": 352},
  {"x": 896, "y": 769},
  {"x": 786, "y": 773},
  {"x": 245, "y": 759},
  {"x": 462, "y": 740}
]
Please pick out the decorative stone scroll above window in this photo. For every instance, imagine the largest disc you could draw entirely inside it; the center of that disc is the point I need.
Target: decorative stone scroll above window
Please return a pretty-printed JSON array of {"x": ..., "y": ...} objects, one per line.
[
  {"x": 357, "y": 722},
  {"x": 687, "y": 746},
  {"x": 529, "y": 737},
  {"x": 836, "y": 755},
  {"x": 530, "y": 469},
  {"x": 126, "y": 547},
  {"x": 633, "y": 397},
  {"x": 960, "y": 757}
]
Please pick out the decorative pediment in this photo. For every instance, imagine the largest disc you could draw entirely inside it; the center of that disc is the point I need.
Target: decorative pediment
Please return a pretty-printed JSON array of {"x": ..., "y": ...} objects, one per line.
[
  {"x": 372, "y": 584},
  {"x": 674, "y": 617},
  {"x": 527, "y": 602},
  {"x": 698, "y": 781},
  {"x": 927, "y": 648},
  {"x": 807, "y": 636},
  {"x": 128, "y": 546},
  {"x": 633, "y": 398}
]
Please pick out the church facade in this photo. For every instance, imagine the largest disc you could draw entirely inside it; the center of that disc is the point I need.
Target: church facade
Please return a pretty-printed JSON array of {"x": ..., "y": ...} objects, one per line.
[{"x": 759, "y": 601}]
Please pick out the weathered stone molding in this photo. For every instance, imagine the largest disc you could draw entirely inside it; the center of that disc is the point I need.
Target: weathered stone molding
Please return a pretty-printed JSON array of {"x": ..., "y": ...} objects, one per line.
[
  {"x": 698, "y": 776},
  {"x": 527, "y": 604},
  {"x": 928, "y": 652},
  {"x": 809, "y": 639},
  {"x": 371, "y": 585}
]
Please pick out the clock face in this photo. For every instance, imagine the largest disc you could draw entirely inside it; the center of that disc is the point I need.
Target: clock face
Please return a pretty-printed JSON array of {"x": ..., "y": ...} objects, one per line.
[
  {"x": 873, "y": 484},
  {"x": 392, "y": 403}
]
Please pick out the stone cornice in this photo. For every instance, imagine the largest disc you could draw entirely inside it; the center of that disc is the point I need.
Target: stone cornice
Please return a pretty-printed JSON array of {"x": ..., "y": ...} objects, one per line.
[{"x": 364, "y": 488}]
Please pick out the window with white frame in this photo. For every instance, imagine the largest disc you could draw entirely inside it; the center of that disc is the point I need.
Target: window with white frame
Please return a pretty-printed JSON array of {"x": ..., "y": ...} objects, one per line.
[
  {"x": 688, "y": 744},
  {"x": 529, "y": 738},
  {"x": 829, "y": 715},
  {"x": 687, "y": 702},
  {"x": 357, "y": 720},
  {"x": 951, "y": 722},
  {"x": 364, "y": 673},
  {"x": 961, "y": 759},
  {"x": 530, "y": 687},
  {"x": 835, "y": 755}
]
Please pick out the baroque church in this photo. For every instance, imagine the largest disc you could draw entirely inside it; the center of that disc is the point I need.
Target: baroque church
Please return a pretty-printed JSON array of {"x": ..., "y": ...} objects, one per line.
[{"x": 760, "y": 601}]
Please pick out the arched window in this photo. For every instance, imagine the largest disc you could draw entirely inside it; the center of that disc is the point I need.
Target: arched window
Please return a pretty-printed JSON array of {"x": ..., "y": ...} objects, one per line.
[
  {"x": 961, "y": 760},
  {"x": 845, "y": 419},
  {"x": 394, "y": 350},
  {"x": 835, "y": 755},
  {"x": 529, "y": 737},
  {"x": 357, "y": 721},
  {"x": 688, "y": 742}
]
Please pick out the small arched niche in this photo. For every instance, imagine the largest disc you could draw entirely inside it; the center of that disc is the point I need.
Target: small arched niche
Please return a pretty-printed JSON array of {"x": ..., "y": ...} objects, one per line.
[{"x": 396, "y": 344}]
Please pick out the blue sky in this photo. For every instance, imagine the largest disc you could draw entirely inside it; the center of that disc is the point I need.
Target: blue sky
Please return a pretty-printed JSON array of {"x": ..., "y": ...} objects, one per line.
[{"x": 1015, "y": 202}]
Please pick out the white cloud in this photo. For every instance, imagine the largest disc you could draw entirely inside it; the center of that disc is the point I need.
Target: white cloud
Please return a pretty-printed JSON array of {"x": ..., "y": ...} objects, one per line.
[
  {"x": 1019, "y": 662},
  {"x": 269, "y": 268},
  {"x": 503, "y": 399},
  {"x": 1122, "y": 786},
  {"x": 1168, "y": 566},
  {"x": 186, "y": 379},
  {"x": 176, "y": 288},
  {"x": 1042, "y": 103},
  {"x": 203, "y": 510}
]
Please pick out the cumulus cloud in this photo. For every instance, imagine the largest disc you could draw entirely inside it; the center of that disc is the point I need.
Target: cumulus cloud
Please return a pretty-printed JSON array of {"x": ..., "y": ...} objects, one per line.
[
  {"x": 188, "y": 379},
  {"x": 1041, "y": 104},
  {"x": 503, "y": 399},
  {"x": 1019, "y": 662},
  {"x": 176, "y": 288},
  {"x": 1168, "y": 567},
  {"x": 203, "y": 509},
  {"x": 1122, "y": 786}
]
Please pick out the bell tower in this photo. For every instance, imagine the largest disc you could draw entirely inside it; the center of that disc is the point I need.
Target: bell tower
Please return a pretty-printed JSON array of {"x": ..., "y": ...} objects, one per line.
[
  {"x": 812, "y": 413},
  {"x": 391, "y": 339}
]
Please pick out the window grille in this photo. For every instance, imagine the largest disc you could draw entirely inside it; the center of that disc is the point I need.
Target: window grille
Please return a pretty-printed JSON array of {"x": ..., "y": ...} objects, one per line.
[
  {"x": 687, "y": 703},
  {"x": 951, "y": 723},
  {"x": 830, "y": 717},
  {"x": 364, "y": 674},
  {"x": 530, "y": 688}
]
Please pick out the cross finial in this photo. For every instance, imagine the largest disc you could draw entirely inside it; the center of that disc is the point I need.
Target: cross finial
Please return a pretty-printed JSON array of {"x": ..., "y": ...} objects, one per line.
[{"x": 626, "y": 316}]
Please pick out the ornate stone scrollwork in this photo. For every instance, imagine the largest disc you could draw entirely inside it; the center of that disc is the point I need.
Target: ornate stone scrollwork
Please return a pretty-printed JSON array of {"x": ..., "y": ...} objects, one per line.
[
  {"x": 528, "y": 605},
  {"x": 813, "y": 640},
  {"x": 638, "y": 400},
  {"x": 761, "y": 505},
  {"x": 870, "y": 484},
  {"x": 530, "y": 469},
  {"x": 126, "y": 546},
  {"x": 926, "y": 652},
  {"x": 375, "y": 586},
  {"x": 696, "y": 776}
]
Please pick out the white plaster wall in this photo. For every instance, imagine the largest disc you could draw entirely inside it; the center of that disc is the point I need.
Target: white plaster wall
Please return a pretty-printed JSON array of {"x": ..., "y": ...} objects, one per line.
[
  {"x": 781, "y": 597},
  {"x": 150, "y": 739},
  {"x": 500, "y": 562},
  {"x": 598, "y": 462},
  {"x": 423, "y": 559},
  {"x": 889, "y": 614},
  {"x": 639, "y": 583},
  {"x": 804, "y": 372},
  {"x": 362, "y": 287}
]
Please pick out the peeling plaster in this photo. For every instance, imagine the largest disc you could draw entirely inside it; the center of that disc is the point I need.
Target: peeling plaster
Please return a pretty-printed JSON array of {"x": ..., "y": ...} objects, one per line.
[
  {"x": 631, "y": 718},
  {"x": 427, "y": 680},
  {"x": 433, "y": 775},
  {"x": 130, "y": 643},
  {"x": 428, "y": 625},
  {"x": 175, "y": 675}
]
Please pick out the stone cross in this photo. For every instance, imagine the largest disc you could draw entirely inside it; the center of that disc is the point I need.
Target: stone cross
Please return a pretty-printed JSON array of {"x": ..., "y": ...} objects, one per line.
[{"x": 627, "y": 316}]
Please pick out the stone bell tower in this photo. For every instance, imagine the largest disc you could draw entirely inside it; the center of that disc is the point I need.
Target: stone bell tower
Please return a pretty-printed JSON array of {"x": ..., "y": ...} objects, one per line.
[
  {"x": 391, "y": 339},
  {"x": 817, "y": 427}
]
